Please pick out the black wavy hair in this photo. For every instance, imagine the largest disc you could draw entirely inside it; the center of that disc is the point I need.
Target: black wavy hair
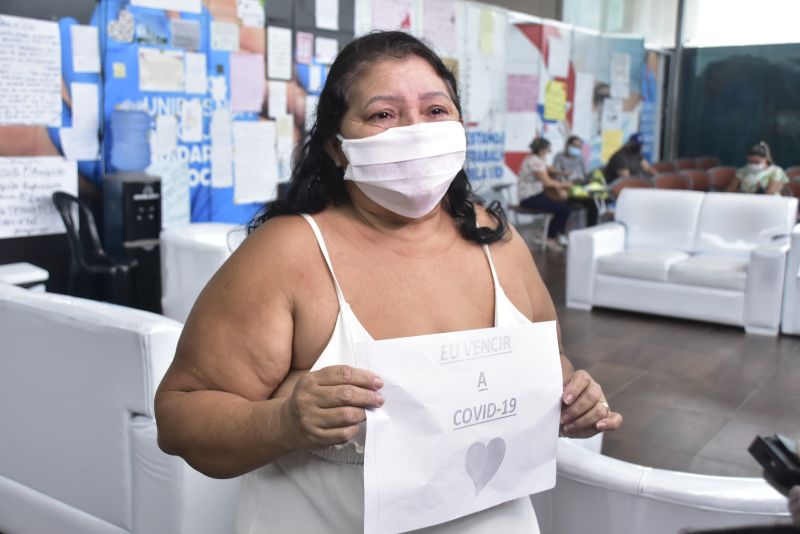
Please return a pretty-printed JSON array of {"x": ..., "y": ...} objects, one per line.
[
  {"x": 317, "y": 182},
  {"x": 539, "y": 144}
]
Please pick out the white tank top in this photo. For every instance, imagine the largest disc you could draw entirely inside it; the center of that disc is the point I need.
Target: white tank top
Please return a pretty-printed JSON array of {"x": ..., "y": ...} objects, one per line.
[{"x": 348, "y": 331}]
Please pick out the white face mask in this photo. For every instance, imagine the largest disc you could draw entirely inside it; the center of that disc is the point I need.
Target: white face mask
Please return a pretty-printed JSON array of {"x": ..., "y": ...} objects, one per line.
[
  {"x": 407, "y": 169},
  {"x": 756, "y": 167}
]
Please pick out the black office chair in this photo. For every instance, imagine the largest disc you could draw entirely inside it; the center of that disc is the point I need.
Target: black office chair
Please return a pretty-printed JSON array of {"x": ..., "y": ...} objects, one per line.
[{"x": 89, "y": 262}]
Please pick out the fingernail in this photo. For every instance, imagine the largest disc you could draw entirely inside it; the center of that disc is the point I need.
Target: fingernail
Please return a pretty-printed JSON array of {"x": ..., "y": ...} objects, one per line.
[
  {"x": 601, "y": 426},
  {"x": 569, "y": 398},
  {"x": 568, "y": 428},
  {"x": 379, "y": 399},
  {"x": 377, "y": 383}
]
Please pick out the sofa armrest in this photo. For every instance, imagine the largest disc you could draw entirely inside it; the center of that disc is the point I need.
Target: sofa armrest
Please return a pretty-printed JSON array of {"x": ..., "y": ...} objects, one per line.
[
  {"x": 170, "y": 496},
  {"x": 585, "y": 246},
  {"x": 765, "y": 284},
  {"x": 790, "y": 317}
]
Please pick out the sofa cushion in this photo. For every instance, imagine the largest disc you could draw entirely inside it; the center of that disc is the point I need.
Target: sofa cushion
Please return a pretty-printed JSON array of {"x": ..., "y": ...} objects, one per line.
[
  {"x": 735, "y": 223},
  {"x": 711, "y": 270},
  {"x": 658, "y": 218},
  {"x": 640, "y": 263}
]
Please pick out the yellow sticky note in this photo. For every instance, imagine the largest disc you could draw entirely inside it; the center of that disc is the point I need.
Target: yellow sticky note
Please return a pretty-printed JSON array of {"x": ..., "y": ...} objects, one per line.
[
  {"x": 612, "y": 141},
  {"x": 119, "y": 70},
  {"x": 487, "y": 31},
  {"x": 555, "y": 101}
]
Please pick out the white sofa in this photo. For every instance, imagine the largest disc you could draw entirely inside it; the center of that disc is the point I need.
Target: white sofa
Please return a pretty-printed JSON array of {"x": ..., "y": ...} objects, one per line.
[
  {"x": 190, "y": 255},
  {"x": 78, "y": 451},
  {"x": 718, "y": 257},
  {"x": 603, "y": 495},
  {"x": 790, "y": 318}
]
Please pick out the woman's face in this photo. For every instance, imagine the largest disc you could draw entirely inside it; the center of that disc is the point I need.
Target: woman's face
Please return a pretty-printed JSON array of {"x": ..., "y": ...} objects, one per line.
[
  {"x": 761, "y": 161},
  {"x": 396, "y": 92}
]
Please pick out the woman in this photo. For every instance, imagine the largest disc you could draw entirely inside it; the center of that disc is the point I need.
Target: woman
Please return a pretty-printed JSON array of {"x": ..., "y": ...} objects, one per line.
[
  {"x": 539, "y": 191},
  {"x": 760, "y": 175},
  {"x": 569, "y": 165},
  {"x": 263, "y": 379}
]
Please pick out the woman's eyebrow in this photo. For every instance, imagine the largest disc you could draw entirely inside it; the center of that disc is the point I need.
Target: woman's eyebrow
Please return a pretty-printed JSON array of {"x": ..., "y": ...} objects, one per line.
[{"x": 398, "y": 98}]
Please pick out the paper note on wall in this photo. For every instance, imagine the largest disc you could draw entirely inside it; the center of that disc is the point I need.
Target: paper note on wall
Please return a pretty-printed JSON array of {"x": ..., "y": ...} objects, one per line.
[
  {"x": 186, "y": 6},
  {"x": 327, "y": 14},
  {"x": 161, "y": 70},
  {"x": 612, "y": 141},
  {"x": 314, "y": 77},
  {"x": 196, "y": 73},
  {"x": 555, "y": 101},
  {"x": 611, "y": 116},
  {"x": 221, "y": 148},
  {"x": 620, "y": 75},
  {"x": 304, "y": 47},
  {"x": 277, "y": 99},
  {"x": 224, "y": 36},
  {"x": 165, "y": 140},
  {"x": 255, "y": 167},
  {"x": 192, "y": 121},
  {"x": 279, "y": 53},
  {"x": 522, "y": 92},
  {"x": 30, "y": 72},
  {"x": 558, "y": 57},
  {"x": 251, "y": 12},
  {"x": 325, "y": 50},
  {"x": 582, "y": 106},
  {"x": 440, "y": 24},
  {"x": 85, "y": 48},
  {"x": 486, "y": 32},
  {"x": 175, "y": 187},
  {"x": 185, "y": 33},
  {"x": 85, "y": 106},
  {"x": 392, "y": 14},
  {"x": 247, "y": 82},
  {"x": 26, "y": 189},
  {"x": 79, "y": 145}
]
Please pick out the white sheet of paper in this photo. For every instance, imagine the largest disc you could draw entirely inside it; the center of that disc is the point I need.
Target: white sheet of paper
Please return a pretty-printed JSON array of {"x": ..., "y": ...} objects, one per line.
[
  {"x": 459, "y": 431},
  {"x": 279, "y": 53},
  {"x": 85, "y": 48},
  {"x": 175, "y": 198},
  {"x": 85, "y": 106},
  {"x": 325, "y": 50},
  {"x": 285, "y": 144},
  {"x": 311, "y": 111},
  {"x": 221, "y": 148},
  {"x": 30, "y": 72},
  {"x": 327, "y": 14},
  {"x": 255, "y": 167},
  {"x": 186, "y": 6},
  {"x": 224, "y": 36},
  {"x": 26, "y": 189},
  {"x": 620, "y": 75},
  {"x": 277, "y": 98},
  {"x": 251, "y": 12},
  {"x": 611, "y": 117},
  {"x": 165, "y": 141},
  {"x": 161, "y": 70},
  {"x": 558, "y": 57},
  {"x": 392, "y": 14},
  {"x": 582, "y": 110},
  {"x": 185, "y": 33},
  {"x": 79, "y": 144},
  {"x": 314, "y": 77},
  {"x": 192, "y": 121},
  {"x": 304, "y": 47},
  {"x": 439, "y": 23},
  {"x": 196, "y": 73}
]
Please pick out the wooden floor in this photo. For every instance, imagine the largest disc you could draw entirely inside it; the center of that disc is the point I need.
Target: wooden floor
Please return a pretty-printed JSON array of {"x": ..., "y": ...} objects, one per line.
[{"x": 693, "y": 394}]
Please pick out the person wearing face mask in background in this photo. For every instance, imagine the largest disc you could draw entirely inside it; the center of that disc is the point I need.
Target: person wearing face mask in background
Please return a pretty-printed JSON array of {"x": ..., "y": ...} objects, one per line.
[
  {"x": 538, "y": 190},
  {"x": 760, "y": 175},
  {"x": 380, "y": 237},
  {"x": 628, "y": 160},
  {"x": 569, "y": 166}
]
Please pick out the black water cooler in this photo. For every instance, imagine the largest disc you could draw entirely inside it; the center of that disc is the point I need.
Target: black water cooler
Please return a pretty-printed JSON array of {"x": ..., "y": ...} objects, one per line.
[{"x": 132, "y": 222}]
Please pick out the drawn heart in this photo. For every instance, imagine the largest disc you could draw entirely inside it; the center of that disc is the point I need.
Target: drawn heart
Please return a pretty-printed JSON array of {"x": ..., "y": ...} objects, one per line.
[{"x": 483, "y": 461}]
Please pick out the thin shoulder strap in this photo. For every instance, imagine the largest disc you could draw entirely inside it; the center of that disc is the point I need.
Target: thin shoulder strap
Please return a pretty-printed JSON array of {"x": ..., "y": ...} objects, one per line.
[
  {"x": 497, "y": 287},
  {"x": 324, "y": 249}
]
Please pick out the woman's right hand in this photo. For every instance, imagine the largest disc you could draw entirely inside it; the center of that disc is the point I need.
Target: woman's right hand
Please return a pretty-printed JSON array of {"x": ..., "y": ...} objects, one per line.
[{"x": 326, "y": 406}]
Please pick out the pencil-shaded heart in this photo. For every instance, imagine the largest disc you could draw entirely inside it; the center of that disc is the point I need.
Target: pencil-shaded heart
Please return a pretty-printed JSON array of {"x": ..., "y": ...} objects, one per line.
[{"x": 483, "y": 461}]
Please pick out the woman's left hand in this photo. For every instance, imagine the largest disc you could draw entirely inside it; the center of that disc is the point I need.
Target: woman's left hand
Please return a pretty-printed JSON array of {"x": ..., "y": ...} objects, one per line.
[{"x": 584, "y": 409}]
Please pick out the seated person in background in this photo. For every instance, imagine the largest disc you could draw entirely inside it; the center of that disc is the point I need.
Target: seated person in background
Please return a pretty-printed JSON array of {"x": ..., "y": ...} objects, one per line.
[
  {"x": 569, "y": 165},
  {"x": 760, "y": 175},
  {"x": 628, "y": 160},
  {"x": 539, "y": 191}
]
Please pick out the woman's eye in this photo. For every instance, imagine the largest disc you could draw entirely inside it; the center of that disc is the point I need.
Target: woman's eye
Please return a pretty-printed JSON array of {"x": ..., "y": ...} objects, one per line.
[
  {"x": 381, "y": 115},
  {"x": 439, "y": 111}
]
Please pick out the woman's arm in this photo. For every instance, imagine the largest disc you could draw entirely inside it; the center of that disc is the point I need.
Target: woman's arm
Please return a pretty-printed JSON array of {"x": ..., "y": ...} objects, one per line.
[
  {"x": 550, "y": 183},
  {"x": 215, "y": 405}
]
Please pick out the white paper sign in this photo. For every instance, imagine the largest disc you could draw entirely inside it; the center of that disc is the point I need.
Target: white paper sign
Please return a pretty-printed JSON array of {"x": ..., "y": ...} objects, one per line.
[
  {"x": 196, "y": 73},
  {"x": 224, "y": 36},
  {"x": 186, "y": 6},
  {"x": 279, "y": 53},
  {"x": 620, "y": 75},
  {"x": 221, "y": 148},
  {"x": 85, "y": 106},
  {"x": 255, "y": 166},
  {"x": 611, "y": 117},
  {"x": 161, "y": 70},
  {"x": 30, "y": 72},
  {"x": 78, "y": 144},
  {"x": 470, "y": 421},
  {"x": 85, "y": 48},
  {"x": 558, "y": 57},
  {"x": 277, "y": 99},
  {"x": 192, "y": 121},
  {"x": 582, "y": 110},
  {"x": 325, "y": 50},
  {"x": 26, "y": 189},
  {"x": 327, "y": 14}
]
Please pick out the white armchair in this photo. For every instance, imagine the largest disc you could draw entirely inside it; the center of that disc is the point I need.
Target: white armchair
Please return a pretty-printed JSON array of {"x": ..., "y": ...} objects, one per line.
[
  {"x": 790, "y": 319},
  {"x": 603, "y": 495},
  {"x": 718, "y": 257},
  {"x": 190, "y": 255},
  {"x": 78, "y": 451}
]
